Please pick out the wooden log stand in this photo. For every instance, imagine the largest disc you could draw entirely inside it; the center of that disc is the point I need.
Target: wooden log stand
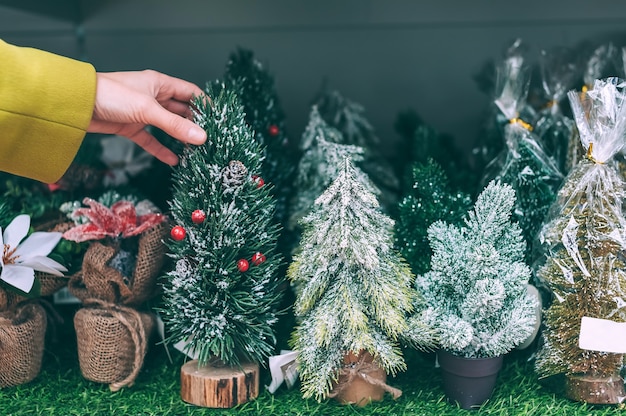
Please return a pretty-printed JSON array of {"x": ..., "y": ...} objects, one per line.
[
  {"x": 595, "y": 390},
  {"x": 218, "y": 386}
]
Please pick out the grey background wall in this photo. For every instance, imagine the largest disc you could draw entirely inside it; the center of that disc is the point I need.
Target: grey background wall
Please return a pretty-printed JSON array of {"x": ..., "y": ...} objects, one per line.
[{"x": 389, "y": 55}]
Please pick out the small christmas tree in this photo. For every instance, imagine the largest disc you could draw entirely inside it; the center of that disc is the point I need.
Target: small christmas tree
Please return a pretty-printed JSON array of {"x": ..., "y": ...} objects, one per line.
[
  {"x": 320, "y": 165},
  {"x": 421, "y": 142},
  {"x": 264, "y": 114},
  {"x": 555, "y": 129},
  {"x": 354, "y": 289},
  {"x": 476, "y": 289},
  {"x": 221, "y": 297},
  {"x": 584, "y": 243},
  {"x": 429, "y": 200},
  {"x": 523, "y": 163},
  {"x": 348, "y": 117}
]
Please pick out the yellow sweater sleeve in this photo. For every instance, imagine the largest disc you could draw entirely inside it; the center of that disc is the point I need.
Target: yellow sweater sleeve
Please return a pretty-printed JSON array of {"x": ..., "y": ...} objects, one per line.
[{"x": 46, "y": 104}]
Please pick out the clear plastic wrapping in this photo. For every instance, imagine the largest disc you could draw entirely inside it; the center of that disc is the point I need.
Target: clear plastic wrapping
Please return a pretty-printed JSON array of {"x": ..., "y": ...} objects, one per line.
[
  {"x": 584, "y": 239},
  {"x": 523, "y": 163},
  {"x": 555, "y": 130}
]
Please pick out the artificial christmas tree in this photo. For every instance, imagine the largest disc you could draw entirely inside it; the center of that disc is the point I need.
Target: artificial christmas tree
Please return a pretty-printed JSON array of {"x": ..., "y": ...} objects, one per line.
[
  {"x": 320, "y": 165},
  {"x": 523, "y": 163},
  {"x": 354, "y": 292},
  {"x": 348, "y": 117},
  {"x": 584, "y": 242},
  {"x": 555, "y": 130},
  {"x": 420, "y": 143},
  {"x": 476, "y": 288},
  {"x": 221, "y": 298},
  {"x": 430, "y": 199},
  {"x": 257, "y": 94}
]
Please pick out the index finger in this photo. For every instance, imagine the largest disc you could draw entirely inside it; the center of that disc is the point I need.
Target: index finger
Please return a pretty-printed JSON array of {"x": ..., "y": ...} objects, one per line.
[{"x": 178, "y": 89}]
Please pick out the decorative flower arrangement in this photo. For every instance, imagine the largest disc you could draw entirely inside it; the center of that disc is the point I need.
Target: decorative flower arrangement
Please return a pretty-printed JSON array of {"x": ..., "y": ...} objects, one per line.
[
  {"x": 119, "y": 221},
  {"x": 24, "y": 254}
]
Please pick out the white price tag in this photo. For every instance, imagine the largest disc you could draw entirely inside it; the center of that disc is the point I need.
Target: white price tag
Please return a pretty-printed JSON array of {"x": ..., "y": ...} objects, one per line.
[
  {"x": 182, "y": 347},
  {"x": 602, "y": 335}
]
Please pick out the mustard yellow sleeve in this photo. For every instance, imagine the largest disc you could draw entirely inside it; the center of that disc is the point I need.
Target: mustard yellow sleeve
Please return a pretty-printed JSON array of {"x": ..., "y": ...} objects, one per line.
[{"x": 46, "y": 103}]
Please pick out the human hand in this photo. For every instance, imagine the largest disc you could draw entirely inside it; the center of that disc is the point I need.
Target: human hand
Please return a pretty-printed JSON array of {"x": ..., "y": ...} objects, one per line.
[{"x": 128, "y": 102}]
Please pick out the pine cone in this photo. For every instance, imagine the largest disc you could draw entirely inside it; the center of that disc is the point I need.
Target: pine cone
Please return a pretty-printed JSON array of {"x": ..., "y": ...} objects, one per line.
[{"x": 233, "y": 175}]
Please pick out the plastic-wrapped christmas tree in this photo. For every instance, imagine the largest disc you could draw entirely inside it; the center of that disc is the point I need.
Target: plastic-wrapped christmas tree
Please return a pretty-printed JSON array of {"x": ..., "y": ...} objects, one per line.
[
  {"x": 263, "y": 112},
  {"x": 599, "y": 65},
  {"x": 221, "y": 297},
  {"x": 320, "y": 165},
  {"x": 510, "y": 79},
  {"x": 584, "y": 243},
  {"x": 523, "y": 163},
  {"x": 430, "y": 199},
  {"x": 354, "y": 294},
  {"x": 348, "y": 117},
  {"x": 555, "y": 130}
]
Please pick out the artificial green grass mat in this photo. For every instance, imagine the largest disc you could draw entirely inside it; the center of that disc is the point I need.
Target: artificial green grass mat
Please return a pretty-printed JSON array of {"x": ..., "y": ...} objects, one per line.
[{"x": 61, "y": 390}]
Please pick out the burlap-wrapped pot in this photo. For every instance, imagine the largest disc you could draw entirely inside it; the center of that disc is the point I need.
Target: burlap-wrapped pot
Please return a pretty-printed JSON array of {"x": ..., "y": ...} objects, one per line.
[
  {"x": 101, "y": 281},
  {"x": 112, "y": 342},
  {"x": 22, "y": 333},
  {"x": 361, "y": 381}
]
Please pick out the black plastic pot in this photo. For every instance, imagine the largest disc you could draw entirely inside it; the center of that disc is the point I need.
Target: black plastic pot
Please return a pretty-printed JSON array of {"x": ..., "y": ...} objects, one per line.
[{"x": 468, "y": 381}]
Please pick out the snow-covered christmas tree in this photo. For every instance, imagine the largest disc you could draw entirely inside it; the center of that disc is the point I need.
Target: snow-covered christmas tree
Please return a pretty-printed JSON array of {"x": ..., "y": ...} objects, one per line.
[
  {"x": 221, "y": 297},
  {"x": 476, "y": 288},
  {"x": 264, "y": 113},
  {"x": 354, "y": 289},
  {"x": 320, "y": 165}
]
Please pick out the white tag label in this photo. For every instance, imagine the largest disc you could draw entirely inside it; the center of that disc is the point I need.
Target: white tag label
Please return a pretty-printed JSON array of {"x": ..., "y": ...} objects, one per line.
[
  {"x": 602, "y": 335},
  {"x": 182, "y": 347},
  {"x": 283, "y": 367}
]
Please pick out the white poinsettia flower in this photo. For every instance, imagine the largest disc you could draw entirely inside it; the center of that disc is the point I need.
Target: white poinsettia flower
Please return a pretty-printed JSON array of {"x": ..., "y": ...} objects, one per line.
[{"x": 20, "y": 259}]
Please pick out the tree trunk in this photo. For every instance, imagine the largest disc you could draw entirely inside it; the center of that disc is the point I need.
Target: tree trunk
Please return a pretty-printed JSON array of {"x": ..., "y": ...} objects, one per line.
[{"x": 219, "y": 386}]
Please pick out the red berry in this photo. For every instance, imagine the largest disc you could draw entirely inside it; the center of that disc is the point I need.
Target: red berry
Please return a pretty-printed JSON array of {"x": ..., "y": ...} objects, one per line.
[
  {"x": 178, "y": 233},
  {"x": 259, "y": 181},
  {"x": 273, "y": 130},
  {"x": 198, "y": 216},
  {"x": 243, "y": 265},
  {"x": 258, "y": 258}
]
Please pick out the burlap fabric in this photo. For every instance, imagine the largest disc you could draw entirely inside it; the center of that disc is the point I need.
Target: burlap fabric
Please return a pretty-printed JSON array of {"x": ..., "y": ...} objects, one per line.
[
  {"x": 22, "y": 333},
  {"x": 100, "y": 281},
  {"x": 361, "y": 380},
  {"x": 112, "y": 342}
]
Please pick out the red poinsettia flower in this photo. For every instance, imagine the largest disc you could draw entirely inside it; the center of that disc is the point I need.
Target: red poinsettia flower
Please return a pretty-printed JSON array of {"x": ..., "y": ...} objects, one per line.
[{"x": 121, "y": 220}]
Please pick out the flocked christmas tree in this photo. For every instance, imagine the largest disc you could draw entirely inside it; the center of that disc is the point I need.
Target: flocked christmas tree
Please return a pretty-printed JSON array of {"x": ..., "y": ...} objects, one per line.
[
  {"x": 221, "y": 297},
  {"x": 320, "y": 165},
  {"x": 476, "y": 288},
  {"x": 523, "y": 163},
  {"x": 354, "y": 289},
  {"x": 584, "y": 242},
  {"x": 430, "y": 199},
  {"x": 264, "y": 114},
  {"x": 349, "y": 118}
]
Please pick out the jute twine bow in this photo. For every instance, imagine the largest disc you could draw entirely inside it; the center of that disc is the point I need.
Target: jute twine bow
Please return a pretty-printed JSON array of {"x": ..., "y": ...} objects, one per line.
[
  {"x": 362, "y": 369},
  {"x": 137, "y": 332}
]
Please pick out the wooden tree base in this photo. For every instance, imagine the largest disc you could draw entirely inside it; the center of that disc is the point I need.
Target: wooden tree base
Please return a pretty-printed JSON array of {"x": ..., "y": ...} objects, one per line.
[
  {"x": 219, "y": 386},
  {"x": 594, "y": 390}
]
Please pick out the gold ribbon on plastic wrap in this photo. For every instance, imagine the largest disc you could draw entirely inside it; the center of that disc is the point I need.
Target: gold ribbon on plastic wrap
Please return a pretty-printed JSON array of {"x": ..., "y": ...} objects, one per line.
[{"x": 517, "y": 120}]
